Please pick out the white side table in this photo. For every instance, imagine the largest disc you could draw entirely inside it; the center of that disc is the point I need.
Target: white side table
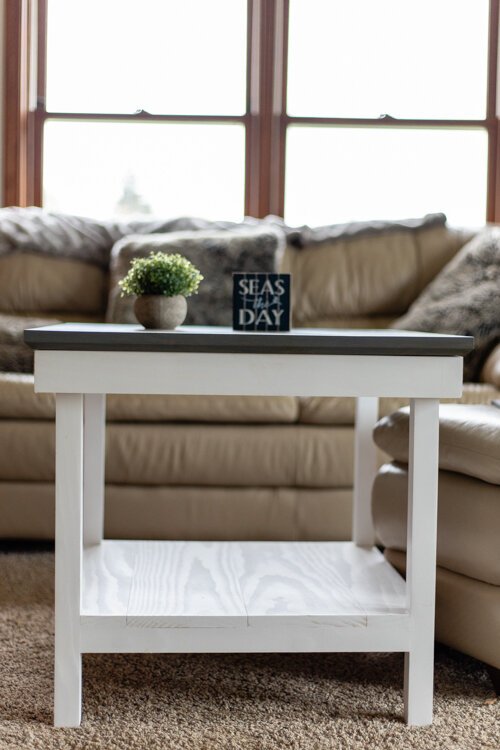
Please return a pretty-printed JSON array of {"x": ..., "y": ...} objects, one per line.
[{"x": 139, "y": 596}]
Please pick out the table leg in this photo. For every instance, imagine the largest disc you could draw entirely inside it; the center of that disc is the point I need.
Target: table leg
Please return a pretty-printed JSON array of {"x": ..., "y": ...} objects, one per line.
[
  {"x": 69, "y": 500},
  {"x": 421, "y": 559},
  {"x": 365, "y": 467},
  {"x": 94, "y": 444}
]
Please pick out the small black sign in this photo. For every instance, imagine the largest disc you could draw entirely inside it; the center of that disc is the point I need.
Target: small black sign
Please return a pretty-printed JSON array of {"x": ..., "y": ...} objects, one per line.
[{"x": 261, "y": 301}]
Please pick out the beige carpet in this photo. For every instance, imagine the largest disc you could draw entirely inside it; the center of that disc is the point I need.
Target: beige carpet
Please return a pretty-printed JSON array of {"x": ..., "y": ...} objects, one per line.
[{"x": 304, "y": 702}]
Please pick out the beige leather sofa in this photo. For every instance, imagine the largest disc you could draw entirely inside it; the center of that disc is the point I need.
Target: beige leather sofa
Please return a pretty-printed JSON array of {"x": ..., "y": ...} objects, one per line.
[
  {"x": 225, "y": 468},
  {"x": 468, "y": 552}
]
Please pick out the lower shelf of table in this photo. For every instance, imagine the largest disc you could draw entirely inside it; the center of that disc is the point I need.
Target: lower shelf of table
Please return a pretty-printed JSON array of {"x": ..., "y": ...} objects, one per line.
[{"x": 241, "y": 596}]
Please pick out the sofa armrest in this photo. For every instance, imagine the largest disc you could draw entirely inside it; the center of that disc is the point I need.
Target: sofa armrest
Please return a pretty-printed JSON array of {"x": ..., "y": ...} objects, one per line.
[
  {"x": 469, "y": 439},
  {"x": 491, "y": 368}
]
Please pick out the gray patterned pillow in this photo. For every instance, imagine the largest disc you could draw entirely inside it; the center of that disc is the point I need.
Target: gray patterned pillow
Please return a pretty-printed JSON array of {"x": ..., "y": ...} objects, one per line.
[
  {"x": 216, "y": 253},
  {"x": 464, "y": 299},
  {"x": 15, "y": 355}
]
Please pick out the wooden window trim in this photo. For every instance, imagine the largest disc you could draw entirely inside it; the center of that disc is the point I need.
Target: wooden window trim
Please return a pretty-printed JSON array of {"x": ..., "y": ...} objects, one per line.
[
  {"x": 493, "y": 122},
  {"x": 266, "y": 120},
  {"x": 18, "y": 177},
  {"x": 25, "y": 96}
]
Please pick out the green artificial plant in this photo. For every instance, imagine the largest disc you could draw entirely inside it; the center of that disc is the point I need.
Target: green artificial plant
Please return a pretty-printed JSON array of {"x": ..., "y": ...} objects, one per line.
[{"x": 161, "y": 274}]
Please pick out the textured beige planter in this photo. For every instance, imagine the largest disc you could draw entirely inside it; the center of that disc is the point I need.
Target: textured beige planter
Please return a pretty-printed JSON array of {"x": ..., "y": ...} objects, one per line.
[{"x": 158, "y": 311}]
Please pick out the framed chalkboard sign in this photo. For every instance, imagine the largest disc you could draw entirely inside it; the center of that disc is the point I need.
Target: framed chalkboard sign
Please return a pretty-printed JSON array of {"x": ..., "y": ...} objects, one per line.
[{"x": 261, "y": 301}]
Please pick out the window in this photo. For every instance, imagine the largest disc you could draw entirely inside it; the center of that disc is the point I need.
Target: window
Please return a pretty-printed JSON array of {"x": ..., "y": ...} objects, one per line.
[
  {"x": 321, "y": 111},
  {"x": 160, "y": 168},
  {"x": 399, "y": 91},
  {"x": 338, "y": 174},
  {"x": 153, "y": 58}
]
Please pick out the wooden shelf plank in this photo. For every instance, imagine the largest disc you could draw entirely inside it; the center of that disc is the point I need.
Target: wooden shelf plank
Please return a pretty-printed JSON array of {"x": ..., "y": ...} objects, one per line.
[
  {"x": 108, "y": 569},
  {"x": 239, "y": 585},
  {"x": 186, "y": 584},
  {"x": 318, "y": 582}
]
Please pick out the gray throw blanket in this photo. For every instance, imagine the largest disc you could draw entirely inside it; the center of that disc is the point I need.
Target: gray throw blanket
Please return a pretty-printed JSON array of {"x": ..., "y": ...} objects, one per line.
[
  {"x": 464, "y": 298},
  {"x": 66, "y": 236},
  {"x": 309, "y": 236}
]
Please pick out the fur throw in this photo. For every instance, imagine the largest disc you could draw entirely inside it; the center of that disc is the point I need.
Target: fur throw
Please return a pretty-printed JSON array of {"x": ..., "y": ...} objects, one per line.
[
  {"x": 310, "y": 236},
  {"x": 15, "y": 355},
  {"x": 464, "y": 299},
  {"x": 35, "y": 230}
]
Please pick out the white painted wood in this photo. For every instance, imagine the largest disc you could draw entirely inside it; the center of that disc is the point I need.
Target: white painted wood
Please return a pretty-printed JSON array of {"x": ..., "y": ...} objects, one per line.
[
  {"x": 239, "y": 584},
  {"x": 108, "y": 569},
  {"x": 365, "y": 468},
  {"x": 225, "y": 597},
  {"x": 186, "y": 584},
  {"x": 69, "y": 500},
  {"x": 382, "y": 633},
  {"x": 154, "y": 613},
  {"x": 247, "y": 374},
  {"x": 94, "y": 446},
  {"x": 373, "y": 581},
  {"x": 421, "y": 559},
  {"x": 311, "y": 583}
]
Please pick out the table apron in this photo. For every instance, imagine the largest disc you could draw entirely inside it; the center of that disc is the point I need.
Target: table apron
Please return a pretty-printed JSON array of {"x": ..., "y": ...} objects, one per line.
[
  {"x": 247, "y": 374},
  {"x": 294, "y": 639}
]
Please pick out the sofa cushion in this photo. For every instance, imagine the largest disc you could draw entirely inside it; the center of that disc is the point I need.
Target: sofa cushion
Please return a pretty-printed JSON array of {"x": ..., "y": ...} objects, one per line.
[
  {"x": 31, "y": 282},
  {"x": 18, "y": 400},
  {"x": 469, "y": 439},
  {"x": 216, "y": 253},
  {"x": 467, "y": 612},
  {"x": 192, "y": 454},
  {"x": 464, "y": 299},
  {"x": 139, "y": 512},
  {"x": 367, "y": 274},
  {"x": 468, "y": 520}
]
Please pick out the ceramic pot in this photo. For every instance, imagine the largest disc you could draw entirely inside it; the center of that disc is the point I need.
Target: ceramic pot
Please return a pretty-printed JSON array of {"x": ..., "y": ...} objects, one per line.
[{"x": 158, "y": 311}]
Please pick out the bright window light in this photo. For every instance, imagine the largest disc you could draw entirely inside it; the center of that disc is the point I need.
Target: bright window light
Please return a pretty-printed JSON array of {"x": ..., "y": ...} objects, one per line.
[
  {"x": 163, "y": 169},
  {"x": 406, "y": 58},
  {"x": 336, "y": 174},
  {"x": 165, "y": 57}
]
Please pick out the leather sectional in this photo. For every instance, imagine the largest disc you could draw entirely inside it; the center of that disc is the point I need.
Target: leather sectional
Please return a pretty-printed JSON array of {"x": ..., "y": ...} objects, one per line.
[{"x": 249, "y": 468}]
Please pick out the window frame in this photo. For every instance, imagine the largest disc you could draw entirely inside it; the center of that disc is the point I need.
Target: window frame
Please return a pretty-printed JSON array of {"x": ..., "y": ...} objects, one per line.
[{"x": 266, "y": 120}]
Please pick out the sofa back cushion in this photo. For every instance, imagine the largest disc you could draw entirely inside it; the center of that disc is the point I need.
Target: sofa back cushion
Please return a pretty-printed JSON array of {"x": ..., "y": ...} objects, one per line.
[
  {"x": 216, "y": 253},
  {"x": 31, "y": 282},
  {"x": 369, "y": 273}
]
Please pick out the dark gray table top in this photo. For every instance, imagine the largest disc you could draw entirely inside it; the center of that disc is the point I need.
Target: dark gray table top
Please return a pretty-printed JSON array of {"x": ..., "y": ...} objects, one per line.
[{"x": 127, "y": 338}]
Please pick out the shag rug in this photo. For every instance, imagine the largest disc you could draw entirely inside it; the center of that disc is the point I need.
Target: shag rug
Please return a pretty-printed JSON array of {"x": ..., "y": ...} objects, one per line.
[{"x": 195, "y": 702}]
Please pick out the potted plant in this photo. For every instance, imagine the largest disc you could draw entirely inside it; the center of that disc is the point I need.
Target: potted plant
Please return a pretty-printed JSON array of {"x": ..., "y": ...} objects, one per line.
[{"x": 161, "y": 282}]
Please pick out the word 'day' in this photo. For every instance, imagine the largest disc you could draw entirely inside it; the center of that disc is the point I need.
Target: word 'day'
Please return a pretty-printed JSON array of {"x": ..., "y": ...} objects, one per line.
[{"x": 261, "y": 301}]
